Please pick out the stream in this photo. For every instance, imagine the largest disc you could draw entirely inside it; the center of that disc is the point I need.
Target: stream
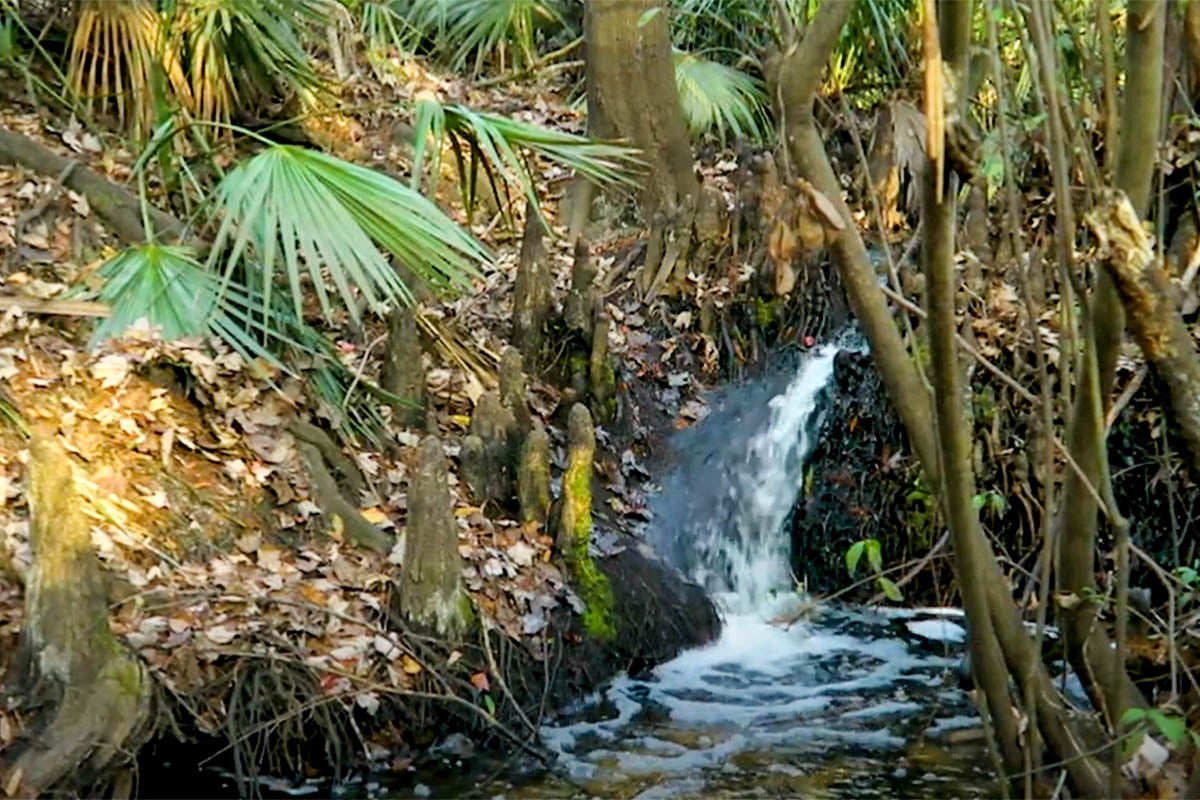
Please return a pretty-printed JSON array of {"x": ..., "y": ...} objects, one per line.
[
  {"x": 795, "y": 699},
  {"x": 843, "y": 703}
]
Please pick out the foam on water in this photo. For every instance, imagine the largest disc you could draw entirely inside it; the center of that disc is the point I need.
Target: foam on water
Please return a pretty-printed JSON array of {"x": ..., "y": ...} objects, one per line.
[{"x": 764, "y": 697}]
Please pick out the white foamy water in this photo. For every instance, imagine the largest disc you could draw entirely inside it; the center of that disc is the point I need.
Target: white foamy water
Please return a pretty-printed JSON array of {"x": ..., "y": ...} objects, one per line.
[
  {"x": 754, "y": 554},
  {"x": 767, "y": 708}
]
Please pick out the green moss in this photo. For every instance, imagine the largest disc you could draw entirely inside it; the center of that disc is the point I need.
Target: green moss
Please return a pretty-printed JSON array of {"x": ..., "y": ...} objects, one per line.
[
  {"x": 593, "y": 586},
  {"x": 765, "y": 311}
]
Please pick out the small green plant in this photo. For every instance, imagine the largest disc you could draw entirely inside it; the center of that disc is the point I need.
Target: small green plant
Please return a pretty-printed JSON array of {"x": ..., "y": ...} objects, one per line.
[
  {"x": 990, "y": 501},
  {"x": 874, "y": 554},
  {"x": 1190, "y": 578},
  {"x": 1171, "y": 727}
]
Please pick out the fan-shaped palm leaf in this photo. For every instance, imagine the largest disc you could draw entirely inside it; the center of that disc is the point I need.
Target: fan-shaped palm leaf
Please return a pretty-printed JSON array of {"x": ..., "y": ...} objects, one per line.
[
  {"x": 114, "y": 50},
  {"x": 301, "y": 207},
  {"x": 504, "y": 30},
  {"x": 167, "y": 287},
  {"x": 497, "y": 146},
  {"x": 718, "y": 97},
  {"x": 237, "y": 51}
]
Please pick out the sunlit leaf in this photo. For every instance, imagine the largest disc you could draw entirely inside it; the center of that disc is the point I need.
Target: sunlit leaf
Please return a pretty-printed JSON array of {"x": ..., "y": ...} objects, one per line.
[
  {"x": 720, "y": 98},
  {"x": 315, "y": 218}
]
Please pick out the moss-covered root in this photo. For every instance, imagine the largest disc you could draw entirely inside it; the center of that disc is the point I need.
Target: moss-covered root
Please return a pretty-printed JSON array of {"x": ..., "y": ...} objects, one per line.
[
  {"x": 575, "y": 526},
  {"x": 95, "y": 697},
  {"x": 430, "y": 584},
  {"x": 533, "y": 476},
  {"x": 602, "y": 381}
]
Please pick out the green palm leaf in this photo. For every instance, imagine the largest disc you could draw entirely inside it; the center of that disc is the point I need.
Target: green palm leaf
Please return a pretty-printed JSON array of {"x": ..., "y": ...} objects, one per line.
[
  {"x": 718, "y": 97},
  {"x": 168, "y": 288},
  {"x": 504, "y": 30},
  {"x": 305, "y": 208},
  {"x": 499, "y": 147},
  {"x": 239, "y": 51}
]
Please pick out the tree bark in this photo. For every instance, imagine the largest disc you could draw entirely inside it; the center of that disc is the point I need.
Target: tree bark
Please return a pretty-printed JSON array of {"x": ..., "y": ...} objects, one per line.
[
  {"x": 1088, "y": 646},
  {"x": 941, "y": 286},
  {"x": 98, "y": 694},
  {"x": 632, "y": 95},
  {"x": 1152, "y": 306},
  {"x": 118, "y": 207}
]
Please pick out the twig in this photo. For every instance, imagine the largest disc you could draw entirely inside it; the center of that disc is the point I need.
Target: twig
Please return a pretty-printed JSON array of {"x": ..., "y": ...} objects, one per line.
[
  {"x": 918, "y": 567},
  {"x": 537, "y": 66},
  {"x": 1016, "y": 387}
]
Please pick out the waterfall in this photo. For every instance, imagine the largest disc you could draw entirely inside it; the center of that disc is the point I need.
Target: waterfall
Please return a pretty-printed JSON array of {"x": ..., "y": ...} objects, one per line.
[
  {"x": 756, "y": 712},
  {"x": 722, "y": 514}
]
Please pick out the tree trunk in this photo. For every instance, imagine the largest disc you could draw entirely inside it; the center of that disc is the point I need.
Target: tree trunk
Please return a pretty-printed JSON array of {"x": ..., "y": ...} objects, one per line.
[
  {"x": 632, "y": 95},
  {"x": 97, "y": 695},
  {"x": 1154, "y": 320},
  {"x": 958, "y": 485},
  {"x": 1088, "y": 645}
]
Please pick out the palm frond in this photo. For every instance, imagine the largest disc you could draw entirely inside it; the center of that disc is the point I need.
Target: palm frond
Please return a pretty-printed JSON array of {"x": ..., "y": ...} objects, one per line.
[
  {"x": 302, "y": 207},
  {"x": 499, "y": 147},
  {"x": 383, "y": 27},
  {"x": 718, "y": 97},
  {"x": 168, "y": 288},
  {"x": 114, "y": 49},
  {"x": 483, "y": 31},
  {"x": 238, "y": 51}
]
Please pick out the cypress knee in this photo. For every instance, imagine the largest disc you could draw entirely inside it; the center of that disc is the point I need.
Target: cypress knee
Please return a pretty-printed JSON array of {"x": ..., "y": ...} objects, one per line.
[
  {"x": 575, "y": 526},
  {"x": 403, "y": 372},
  {"x": 430, "y": 582},
  {"x": 533, "y": 476}
]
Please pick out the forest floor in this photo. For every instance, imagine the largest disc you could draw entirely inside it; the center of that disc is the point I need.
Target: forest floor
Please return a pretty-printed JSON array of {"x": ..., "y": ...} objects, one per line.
[{"x": 203, "y": 515}]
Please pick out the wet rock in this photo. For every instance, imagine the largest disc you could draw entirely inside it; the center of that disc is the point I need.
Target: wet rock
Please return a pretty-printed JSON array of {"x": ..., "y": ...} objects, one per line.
[{"x": 430, "y": 585}]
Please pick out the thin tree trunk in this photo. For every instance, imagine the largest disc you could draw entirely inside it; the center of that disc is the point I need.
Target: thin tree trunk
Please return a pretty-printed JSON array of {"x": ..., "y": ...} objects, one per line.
[
  {"x": 1088, "y": 646},
  {"x": 941, "y": 286},
  {"x": 798, "y": 79}
]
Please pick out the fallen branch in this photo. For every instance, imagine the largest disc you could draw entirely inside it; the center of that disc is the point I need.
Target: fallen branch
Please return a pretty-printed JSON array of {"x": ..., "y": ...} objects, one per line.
[
  {"x": 329, "y": 498},
  {"x": 63, "y": 308},
  {"x": 116, "y": 205}
]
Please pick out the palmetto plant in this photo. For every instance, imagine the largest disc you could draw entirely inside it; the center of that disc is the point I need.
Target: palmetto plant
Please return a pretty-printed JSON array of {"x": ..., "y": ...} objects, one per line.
[
  {"x": 719, "y": 97},
  {"x": 497, "y": 148},
  {"x": 312, "y": 218},
  {"x": 475, "y": 33},
  {"x": 207, "y": 56}
]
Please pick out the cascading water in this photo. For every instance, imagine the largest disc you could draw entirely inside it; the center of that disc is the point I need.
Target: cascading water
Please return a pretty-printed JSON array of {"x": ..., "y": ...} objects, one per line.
[
  {"x": 822, "y": 708},
  {"x": 736, "y": 537}
]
